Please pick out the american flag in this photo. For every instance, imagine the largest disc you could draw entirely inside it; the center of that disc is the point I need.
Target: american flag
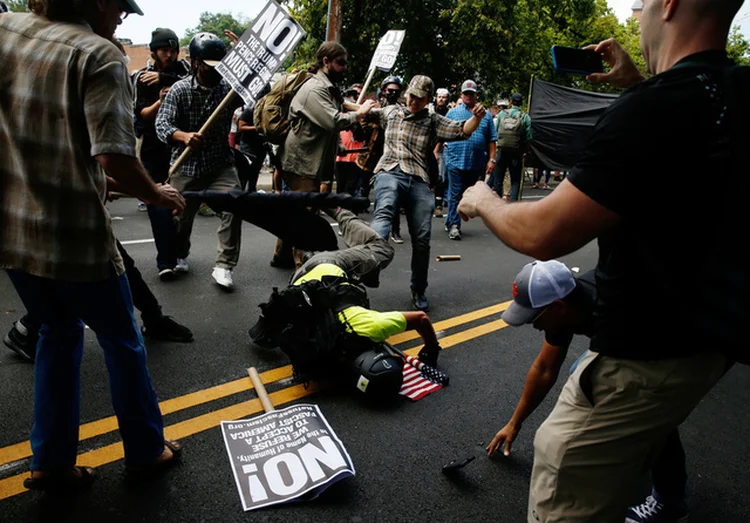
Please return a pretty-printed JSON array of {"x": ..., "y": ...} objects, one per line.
[{"x": 420, "y": 379}]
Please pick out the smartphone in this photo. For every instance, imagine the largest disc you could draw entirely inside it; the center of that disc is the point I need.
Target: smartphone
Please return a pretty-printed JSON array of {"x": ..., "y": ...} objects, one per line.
[{"x": 575, "y": 60}]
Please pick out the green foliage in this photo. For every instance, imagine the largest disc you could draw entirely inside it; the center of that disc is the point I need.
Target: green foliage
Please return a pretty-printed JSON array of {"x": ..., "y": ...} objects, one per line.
[
  {"x": 216, "y": 23},
  {"x": 17, "y": 6},
  {"x": 738, "y": 48}
]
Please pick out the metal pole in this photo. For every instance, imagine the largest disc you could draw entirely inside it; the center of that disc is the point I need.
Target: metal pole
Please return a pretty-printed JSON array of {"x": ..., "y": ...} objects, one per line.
[
  {"x": 333, "y": 25},
  {"x": 328, "y": 20}
]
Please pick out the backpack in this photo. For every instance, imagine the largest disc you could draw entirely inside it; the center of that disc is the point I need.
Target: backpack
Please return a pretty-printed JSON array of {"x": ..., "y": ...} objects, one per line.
[
  {"x": 271, "y": 115},
  {"x": 302, "y": 320},
  {"x": 509, "y": 130}
]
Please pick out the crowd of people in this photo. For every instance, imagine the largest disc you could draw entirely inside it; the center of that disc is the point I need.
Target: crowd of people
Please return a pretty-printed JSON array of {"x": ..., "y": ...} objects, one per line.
[{"x": 415, "y": 152}]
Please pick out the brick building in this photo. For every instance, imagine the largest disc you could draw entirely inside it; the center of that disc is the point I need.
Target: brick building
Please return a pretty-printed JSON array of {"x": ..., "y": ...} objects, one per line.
[
  {"x": 140, "y": 54},
  {"x": 637, "y": 8}
]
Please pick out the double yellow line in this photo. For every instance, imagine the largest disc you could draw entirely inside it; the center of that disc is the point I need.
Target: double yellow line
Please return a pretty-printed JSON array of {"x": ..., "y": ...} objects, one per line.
[{"x": 13, "y": 485}]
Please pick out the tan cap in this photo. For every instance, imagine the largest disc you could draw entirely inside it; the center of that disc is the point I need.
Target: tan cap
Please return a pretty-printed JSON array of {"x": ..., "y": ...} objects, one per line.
[{"x": 421, "y": 86}]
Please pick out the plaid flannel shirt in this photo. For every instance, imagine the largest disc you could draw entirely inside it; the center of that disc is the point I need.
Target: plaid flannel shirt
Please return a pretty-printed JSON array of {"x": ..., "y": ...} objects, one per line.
[
  {"x": 65, "y": 97},
  {"x": 410, "y": 138},
  {"x": 186, "y": 108}
]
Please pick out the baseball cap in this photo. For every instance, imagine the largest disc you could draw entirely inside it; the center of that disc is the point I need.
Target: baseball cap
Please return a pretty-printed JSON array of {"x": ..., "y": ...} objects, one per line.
[
  {"x": 517, "y": 98},
  {"x": 502, "y": 103},
  {"x": 421, "y": 86},
  {"x": 537, "y": 285},
  {"x": 130, "y": 7},
  {"x": 469, "y": 86},
  {"x": 443, "y": 91}
]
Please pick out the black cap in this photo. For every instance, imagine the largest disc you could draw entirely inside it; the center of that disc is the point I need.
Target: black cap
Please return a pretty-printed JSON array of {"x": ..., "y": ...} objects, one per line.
[
  {"x": 516, "y": 98},
  {"x": 163, "y": 37}
]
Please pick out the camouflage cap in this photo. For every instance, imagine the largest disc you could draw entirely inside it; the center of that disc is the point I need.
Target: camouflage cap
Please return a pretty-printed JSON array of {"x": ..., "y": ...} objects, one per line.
[{"x": 421, "y": 86}]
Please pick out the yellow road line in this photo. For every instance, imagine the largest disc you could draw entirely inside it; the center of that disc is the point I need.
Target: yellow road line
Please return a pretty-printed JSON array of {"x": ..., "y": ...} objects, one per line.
[
  {"x": 97, "y": 428},
  {"x": 13, "y": 485}
]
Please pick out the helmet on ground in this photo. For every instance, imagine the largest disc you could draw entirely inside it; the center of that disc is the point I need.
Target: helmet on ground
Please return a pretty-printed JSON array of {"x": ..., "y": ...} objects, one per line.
[
  {"x": 378, "y": 374},
  {"x": 392, "y": 80},
  {"x": 207, "y": 47}
]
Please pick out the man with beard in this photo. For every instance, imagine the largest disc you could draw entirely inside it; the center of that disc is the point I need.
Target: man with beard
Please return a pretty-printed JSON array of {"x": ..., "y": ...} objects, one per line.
[
  {"x": 151, "y": 86},
  {"x": 210, "y": 165},
  {"x": 442, "y": 97},
  {"x": 308, "y": 153}
]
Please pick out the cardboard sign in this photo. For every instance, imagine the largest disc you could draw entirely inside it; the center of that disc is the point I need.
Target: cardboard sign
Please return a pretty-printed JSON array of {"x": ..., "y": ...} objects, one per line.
[
  {"x": 284, "y": 455},
  {"x": 250, "y": 64},
  {"x": 387, "y": 51}
]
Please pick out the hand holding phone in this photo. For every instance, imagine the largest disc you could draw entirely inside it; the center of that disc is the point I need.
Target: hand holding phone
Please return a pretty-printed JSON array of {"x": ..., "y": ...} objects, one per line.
[{"x": 577, "y": 61}]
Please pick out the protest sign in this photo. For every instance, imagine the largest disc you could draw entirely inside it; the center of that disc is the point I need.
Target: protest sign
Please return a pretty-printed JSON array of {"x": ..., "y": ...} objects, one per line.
[
  {"x": 384, "y": 57},
  {"x": 284, "y": 455},
  {"x": 387, "y": 50},
  {"x": 250, "y": 64}
]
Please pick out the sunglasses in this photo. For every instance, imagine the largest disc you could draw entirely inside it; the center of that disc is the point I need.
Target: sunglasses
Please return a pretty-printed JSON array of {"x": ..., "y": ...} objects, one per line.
[{"x": 393, "y": 91}]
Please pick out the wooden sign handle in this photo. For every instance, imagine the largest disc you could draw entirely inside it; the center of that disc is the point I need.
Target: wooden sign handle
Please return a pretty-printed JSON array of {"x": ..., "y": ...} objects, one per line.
[{"x": 260, "y": 389}]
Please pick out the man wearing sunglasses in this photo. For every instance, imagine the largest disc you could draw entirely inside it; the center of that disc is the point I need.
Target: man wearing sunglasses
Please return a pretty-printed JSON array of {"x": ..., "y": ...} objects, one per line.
[
  {"x": 548, "y": 296},
  {"x": 57, "y": 242}
]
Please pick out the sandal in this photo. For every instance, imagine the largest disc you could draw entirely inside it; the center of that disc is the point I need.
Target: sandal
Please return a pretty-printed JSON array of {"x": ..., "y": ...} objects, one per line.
[
  {"x": 62, "y": 483},
  {"x": 157, "y": 467}
]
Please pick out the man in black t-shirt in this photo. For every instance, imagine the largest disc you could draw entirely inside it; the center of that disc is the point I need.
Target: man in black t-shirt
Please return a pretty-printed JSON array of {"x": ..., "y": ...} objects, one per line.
[
  {"x": 548, "y": 296},
  {"x": 151, "y": 86},
  {"x": 253, "y": 145},
  {"x": 664, "y": 263}
]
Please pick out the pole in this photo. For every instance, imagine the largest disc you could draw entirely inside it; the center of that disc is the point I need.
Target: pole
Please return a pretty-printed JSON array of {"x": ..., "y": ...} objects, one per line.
[
  {"x": 333, "y": 25},
  {"x": 523, "y": 165},
  {"x": 328, "y": 19},
  {"x": 228, "y": 99},
  {"x": 366, "y": 86},
  {"x": 260, "y": 389}
]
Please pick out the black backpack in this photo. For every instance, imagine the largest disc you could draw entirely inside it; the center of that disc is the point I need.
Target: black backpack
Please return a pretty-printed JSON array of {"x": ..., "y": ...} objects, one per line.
[{"x": 303, "y": 321}]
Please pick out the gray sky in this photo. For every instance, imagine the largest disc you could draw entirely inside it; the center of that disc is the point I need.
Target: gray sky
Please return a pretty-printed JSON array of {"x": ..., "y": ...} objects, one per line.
[{"x": 183, "y": 14}]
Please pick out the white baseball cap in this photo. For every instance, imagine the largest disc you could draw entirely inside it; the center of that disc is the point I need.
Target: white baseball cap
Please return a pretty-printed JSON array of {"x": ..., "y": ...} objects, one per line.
[{"x": 537, "y": 285}]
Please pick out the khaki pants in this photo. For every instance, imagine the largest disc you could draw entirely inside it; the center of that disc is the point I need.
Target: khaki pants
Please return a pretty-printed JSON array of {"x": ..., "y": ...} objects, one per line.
[
  {"x": 230, "y": 229},
  {"x": 609, "y": 423},
  {"x": 295, "y": 183}
]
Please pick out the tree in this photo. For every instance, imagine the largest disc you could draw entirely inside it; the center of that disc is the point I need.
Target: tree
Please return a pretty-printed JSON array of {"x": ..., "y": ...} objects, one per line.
[
  {"x": 738, "y": 48},
  {"x": 17, "y": 6},
  {"x": 216, "y": 23}
]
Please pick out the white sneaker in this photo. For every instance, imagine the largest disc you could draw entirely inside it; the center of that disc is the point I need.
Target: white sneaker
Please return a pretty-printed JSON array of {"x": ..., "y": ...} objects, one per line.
[
  {"x": 182, "y": 265},
  {"x": 223, "y": 277}
]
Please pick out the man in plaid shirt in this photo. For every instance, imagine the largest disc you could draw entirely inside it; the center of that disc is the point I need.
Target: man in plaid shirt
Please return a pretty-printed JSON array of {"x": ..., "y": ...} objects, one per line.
[
  {"x": 210, "y": 165},
  {"x": 401, "y": 176}
]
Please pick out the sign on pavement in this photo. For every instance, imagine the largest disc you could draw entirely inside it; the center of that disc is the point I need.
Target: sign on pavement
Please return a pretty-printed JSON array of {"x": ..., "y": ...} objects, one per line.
[
  {"x": 250, "y": 64},
  {"x": 284, "y": 455}
]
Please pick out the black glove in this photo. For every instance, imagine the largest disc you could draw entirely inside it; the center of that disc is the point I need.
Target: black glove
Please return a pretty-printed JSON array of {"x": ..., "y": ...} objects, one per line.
[{"x": 429, "y": 354}]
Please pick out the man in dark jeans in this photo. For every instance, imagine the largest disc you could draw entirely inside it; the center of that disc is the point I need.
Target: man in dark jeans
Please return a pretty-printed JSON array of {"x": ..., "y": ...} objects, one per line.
[
  {"x": 254, "y": 146},
  {"x": 151, "y": 86},
  {"x": 550, "y": 298},
  {"x": 24, "y": 334},
  {"x": 513, "y": 137}
]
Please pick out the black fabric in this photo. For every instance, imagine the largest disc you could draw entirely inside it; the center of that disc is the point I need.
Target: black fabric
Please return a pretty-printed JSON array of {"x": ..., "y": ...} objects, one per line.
[
  {"x": 251, "y": 140},
  {"x": 586, "y": 286},
  {"x": 285, "y": 215},
  {"x": 562, "y": 121},
  {"x": 672, "y": 278}
]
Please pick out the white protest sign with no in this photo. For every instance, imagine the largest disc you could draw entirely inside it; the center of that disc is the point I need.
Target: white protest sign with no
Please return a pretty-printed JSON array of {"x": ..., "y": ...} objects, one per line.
[
  {"x": 387, "y": 51},
  {"x": 250, "y": 64},
  {"x": 284, "y": 455}
]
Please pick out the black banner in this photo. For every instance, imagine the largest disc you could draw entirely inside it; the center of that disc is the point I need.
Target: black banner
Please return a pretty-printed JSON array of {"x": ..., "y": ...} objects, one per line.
[{"x": 562, "y": 121}]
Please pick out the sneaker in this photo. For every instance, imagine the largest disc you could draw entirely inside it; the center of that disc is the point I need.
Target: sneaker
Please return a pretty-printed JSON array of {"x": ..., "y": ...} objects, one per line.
[
  {"x": 142, "y": 206},
  {"x": 205, "y": 210},
  {"x": 420, "y": 301},
  {"x": 166, "y": 329},
  {"x": 455, "y": 233},
  {"x": 396, "y": 238},
  {"x": 22, "y": 344},
  {"x": 652, "y": 511},
  {"x": 167, "y": 274},
  {"x": 445, "y": 226},
  {"x": 223, "y": 277},
  {"x": 182, "y": 265},
  {"x": 438, "y": 212}
]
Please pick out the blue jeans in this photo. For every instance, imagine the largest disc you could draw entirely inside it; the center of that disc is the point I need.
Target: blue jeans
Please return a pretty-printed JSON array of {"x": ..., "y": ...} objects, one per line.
[
  {"x": 394, "y": 189},
  {"x": 105, "y": 306},
  {"x": 458, "y": 181},
  {"x": 162, "y": 222}
]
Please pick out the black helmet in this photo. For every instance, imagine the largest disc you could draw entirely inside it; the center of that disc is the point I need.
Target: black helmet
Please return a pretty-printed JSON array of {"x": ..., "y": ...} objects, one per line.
[
  {"x": 207, "y": 47},
  {"x": 378, "y": 374},
  {"x": 392, "y": 80}
]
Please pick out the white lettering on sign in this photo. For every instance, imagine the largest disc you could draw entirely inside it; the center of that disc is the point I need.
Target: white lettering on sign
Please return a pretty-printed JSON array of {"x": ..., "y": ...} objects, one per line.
[
  {"x": 257, "y": 491},
  {"x": 276, "y": 481},
  {"x": 329, "y": 455},
  {"x": 276, "y": 30}
]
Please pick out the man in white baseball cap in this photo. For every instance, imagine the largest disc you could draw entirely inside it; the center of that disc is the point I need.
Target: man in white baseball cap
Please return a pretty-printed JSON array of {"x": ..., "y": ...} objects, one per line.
[{"x": 538, "y": 285}]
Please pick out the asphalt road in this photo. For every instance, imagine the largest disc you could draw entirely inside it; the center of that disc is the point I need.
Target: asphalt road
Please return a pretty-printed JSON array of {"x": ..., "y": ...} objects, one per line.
[{"x": 397, "y": 451}]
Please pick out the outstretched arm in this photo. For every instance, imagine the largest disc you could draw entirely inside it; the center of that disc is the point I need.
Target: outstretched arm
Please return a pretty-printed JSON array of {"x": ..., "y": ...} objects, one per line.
[
  {"x": 540, "y": 379},
  {"x": 420, "y": 322}
]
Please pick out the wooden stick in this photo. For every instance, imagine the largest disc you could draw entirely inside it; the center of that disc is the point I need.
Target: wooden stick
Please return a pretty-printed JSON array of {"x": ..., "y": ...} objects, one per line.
[
  {"x": 448, "y": 257},
  {"x": 366, "y": 86},
  {"x": 229, "y": 98},
  {"x": 260, "y": 389}
]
